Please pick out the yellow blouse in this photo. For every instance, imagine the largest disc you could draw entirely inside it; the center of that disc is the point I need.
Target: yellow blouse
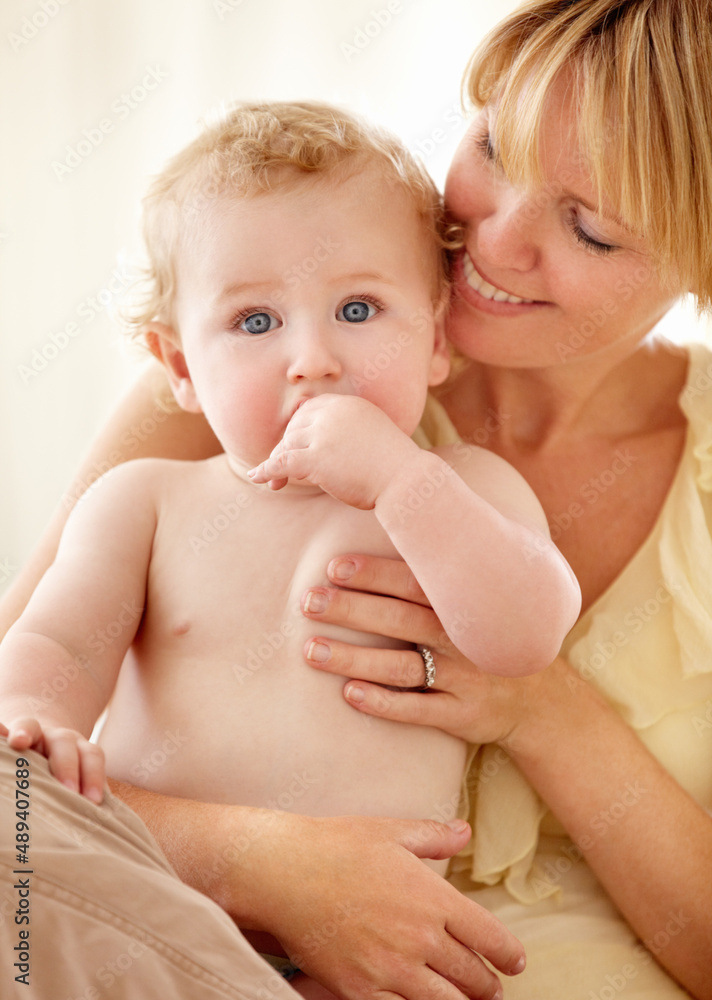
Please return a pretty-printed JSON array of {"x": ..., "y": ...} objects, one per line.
[{"x": 646, "y": 645}]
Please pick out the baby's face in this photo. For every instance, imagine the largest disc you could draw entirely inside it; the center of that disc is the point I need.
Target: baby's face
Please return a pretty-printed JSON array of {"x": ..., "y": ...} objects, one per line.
[{"x": 325, "y": 288}]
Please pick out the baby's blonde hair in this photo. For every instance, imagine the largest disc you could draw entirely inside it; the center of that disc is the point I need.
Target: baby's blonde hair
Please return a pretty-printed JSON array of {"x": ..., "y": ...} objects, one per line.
[
  {"x": 255, "y": 148},
  {"x": 642, "y": 71}
]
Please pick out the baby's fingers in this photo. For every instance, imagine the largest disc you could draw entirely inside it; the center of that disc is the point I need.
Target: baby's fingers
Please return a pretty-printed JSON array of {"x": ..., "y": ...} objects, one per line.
[
  {"x": 92, "y": 770},
  {"x": 25, "y": 734},
  {"x": 278, "y": 468},
  {"x": 62, "y": 752},
  {"x": 76, "y": 762},
  {"x": 273, "y": 470},
  {"x": 260, "y": 475}
]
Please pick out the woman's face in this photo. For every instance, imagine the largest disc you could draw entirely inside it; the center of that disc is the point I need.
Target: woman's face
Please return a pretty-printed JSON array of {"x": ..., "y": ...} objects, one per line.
[{"x": 547, "y": 276}]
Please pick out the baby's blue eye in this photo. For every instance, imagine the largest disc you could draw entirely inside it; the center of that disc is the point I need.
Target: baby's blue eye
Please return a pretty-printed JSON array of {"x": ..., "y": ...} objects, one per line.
[
  {"x": 260, "y": 322},
  {"x": 356, "y": 312}
]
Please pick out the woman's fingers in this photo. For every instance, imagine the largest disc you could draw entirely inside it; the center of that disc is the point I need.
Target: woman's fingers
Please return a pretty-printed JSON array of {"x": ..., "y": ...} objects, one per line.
[
  {"x": 492, "y": 940},
  {"x": 477, "y": 981},
  {"x": 470, "y": 928},
  {"x": 370, "y": 613},
  {"x": 427, "y": 708},
  {"x": 401, "y": 668},
  {"x": 414, "y": 941},
  {"x": 376, "y": 575},
  {"x": 477, "y": 709},
  {"x": 429, "y": 838}
]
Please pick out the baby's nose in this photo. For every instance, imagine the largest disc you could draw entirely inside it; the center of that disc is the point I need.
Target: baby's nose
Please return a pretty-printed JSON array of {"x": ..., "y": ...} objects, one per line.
[{"x": 313, "y": 357}]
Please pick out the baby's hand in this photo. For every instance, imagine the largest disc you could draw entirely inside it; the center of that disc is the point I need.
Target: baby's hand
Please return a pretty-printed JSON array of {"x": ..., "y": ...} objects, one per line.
[
  {"x": 345, "y": 445},
  {"x": 73, "y": 760}
]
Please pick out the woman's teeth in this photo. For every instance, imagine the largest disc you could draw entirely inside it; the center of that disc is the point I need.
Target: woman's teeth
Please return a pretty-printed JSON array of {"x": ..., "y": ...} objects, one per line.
[{"x": 483, "y": 287}]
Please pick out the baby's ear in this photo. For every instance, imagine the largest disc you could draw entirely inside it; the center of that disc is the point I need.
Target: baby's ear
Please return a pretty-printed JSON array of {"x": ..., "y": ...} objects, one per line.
[
  {"x": 164, "y": 343},
  {"x": 440, "y": 362}
]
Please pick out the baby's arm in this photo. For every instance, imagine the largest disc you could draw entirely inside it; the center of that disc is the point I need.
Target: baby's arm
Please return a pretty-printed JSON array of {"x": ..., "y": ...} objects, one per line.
[
  {"x": 465, "y": 521},
  {"x": 60, "y": 660},
  {"x": 476, "y": 538}
]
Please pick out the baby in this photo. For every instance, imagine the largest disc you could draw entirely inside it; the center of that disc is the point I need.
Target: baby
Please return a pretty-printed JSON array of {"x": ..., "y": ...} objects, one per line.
[{"x": 298, "y": 291}]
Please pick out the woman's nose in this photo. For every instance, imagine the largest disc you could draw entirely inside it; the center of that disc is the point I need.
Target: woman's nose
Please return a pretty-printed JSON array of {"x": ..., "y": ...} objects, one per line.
[
  {"x": 509, "y": 236},
  {"x": 313, "y": 357}
]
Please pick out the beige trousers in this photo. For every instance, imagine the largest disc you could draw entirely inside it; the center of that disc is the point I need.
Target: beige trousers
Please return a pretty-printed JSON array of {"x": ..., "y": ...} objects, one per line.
[{"x": 97, "y": 912}]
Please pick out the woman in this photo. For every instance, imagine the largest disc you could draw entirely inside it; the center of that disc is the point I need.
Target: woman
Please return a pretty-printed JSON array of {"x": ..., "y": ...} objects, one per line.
[{"x": 588, "y": 212}]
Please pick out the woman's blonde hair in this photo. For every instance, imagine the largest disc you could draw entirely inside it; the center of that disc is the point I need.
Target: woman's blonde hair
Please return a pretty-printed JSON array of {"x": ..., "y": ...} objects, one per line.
[
  {"x": 254, "y": 148},
  {"x": 642, "y": 71}
]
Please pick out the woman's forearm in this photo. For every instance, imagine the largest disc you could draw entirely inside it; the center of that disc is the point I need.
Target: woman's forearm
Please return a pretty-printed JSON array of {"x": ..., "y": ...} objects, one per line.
[
  {"x": 647, "y": 840},
  {"x": 317, "y": 885},
  {"x": 212, "y": 846}
]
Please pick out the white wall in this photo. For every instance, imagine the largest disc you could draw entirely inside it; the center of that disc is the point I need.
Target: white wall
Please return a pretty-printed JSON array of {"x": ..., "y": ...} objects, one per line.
[{"x": 66, "y": 67}]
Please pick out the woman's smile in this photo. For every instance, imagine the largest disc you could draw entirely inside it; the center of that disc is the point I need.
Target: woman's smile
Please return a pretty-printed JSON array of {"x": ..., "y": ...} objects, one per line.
[{"x": 478, "y": 291}]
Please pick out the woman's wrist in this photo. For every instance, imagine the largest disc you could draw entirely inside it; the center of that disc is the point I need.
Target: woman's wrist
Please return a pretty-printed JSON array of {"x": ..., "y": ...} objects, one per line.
[{"x": 557, "y": 700}]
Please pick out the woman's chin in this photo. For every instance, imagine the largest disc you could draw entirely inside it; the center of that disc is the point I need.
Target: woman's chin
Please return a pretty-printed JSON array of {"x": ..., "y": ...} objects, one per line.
[{"x": 478, "y": 339}]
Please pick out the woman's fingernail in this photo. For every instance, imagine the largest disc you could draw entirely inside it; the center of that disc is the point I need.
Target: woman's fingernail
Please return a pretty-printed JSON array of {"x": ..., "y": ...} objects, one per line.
[
  {"x": 71, "y": 785},
  {"x": 95, "y": 795},
  {"x": 319, "y": 652},
  {"x": 520, "y": 966},
  {"x": 315, "y": 602},
  {"x": 355, "y": 694},
  {"x": 342, "y": 569},
  {"x": 457, "y": 825}
]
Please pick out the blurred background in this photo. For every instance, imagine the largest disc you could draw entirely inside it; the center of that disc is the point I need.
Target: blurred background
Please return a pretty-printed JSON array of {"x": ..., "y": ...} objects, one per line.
[{"x": 96, "y": 95}]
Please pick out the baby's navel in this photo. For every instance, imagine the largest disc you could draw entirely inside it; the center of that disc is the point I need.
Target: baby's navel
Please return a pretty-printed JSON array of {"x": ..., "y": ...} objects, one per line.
[{"x": 180, "y": 628}]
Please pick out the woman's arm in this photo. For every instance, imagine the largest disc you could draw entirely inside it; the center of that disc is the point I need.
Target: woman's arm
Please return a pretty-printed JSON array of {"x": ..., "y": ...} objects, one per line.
[
  {"x": 655, "y": 860},
  {"x": 145, "y": 424},
  {"x": 347, "y": 897}
]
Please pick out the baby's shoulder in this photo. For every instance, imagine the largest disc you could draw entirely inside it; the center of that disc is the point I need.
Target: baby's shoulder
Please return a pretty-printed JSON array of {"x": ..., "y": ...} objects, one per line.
[
  {"x": 158, "y": 470},
  {"x": 142, "y": 481},
  {"x": 476, "y": 465},
  {"x": 496, "y": 481}
]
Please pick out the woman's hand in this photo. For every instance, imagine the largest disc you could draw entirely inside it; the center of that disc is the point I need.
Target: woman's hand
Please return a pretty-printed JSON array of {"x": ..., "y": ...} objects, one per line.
[
  {"x": 465, "y": 702},
  {"x": 347, "y": 897},
  {"x": 609, "y": 801},
  {"x": 355, "y": 909}
]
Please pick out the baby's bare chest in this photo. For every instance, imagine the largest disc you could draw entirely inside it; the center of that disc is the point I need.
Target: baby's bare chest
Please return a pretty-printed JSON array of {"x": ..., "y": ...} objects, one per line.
[
  {"x": 225, "y": 576},
  {"x": 218, "y": 664}
]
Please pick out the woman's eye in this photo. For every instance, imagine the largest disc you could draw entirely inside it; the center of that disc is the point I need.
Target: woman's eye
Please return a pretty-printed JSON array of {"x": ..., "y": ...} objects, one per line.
[
  {"x": 356, "y": 312},
  {"x": 483, "y": 142},
  {"x": 587, "y": 240},
  {"x": 258, "y": 322}
]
